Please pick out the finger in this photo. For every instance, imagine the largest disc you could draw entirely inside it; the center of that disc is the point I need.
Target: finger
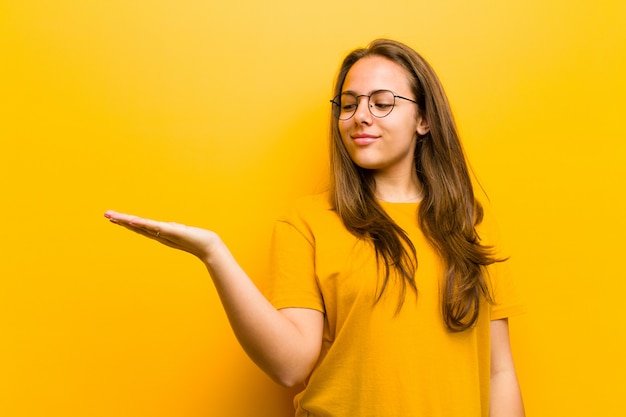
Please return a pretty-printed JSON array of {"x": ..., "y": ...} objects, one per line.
[
  {"x": 129, "y": 219},
  {"x": 152, "y": 228},
  {"x": 116, "y": 217},
  {"x": 174, "y": 235},
  {"x": 151, "y": 232},
  {"x": 157, "y": 235}
]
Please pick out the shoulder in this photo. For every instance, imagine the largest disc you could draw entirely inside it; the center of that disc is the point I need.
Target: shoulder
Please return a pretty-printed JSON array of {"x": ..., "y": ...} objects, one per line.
[
  {"x": 312, "y": 216},
  {"x": 308, "y": 207}
]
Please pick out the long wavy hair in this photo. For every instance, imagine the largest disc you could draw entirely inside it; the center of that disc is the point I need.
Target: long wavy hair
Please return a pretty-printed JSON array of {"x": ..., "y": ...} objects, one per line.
[{"x": 449, "y": 212}]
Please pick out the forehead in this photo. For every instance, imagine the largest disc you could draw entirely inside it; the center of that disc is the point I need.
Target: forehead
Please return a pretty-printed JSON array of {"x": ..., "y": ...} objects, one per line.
[{"x": 376, "y": 73}]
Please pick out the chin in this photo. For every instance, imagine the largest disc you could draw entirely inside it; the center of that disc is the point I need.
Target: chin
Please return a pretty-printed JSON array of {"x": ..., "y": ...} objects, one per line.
[{"x": 368, "y": 165}]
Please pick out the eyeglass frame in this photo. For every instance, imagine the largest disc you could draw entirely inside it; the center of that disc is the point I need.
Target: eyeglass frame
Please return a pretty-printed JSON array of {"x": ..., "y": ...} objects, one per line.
[{"x": 358, "y": 102}]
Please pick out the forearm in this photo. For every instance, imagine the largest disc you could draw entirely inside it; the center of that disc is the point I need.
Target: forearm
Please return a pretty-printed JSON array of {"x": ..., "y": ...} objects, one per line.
[
  {"x": 284, "y": 344},
  {"x": 505, "y": 397},
  {"x": 279, "y": 347}
]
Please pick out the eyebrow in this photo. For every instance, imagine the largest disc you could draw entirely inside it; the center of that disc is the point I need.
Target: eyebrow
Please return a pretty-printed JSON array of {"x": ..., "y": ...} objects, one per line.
[{"x": 368, "y": 94}]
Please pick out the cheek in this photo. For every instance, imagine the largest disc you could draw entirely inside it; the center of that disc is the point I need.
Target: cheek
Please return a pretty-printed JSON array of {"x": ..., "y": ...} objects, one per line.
[
  {"x": 343, "y": 132},
  {"x": 343, "y": 125}
]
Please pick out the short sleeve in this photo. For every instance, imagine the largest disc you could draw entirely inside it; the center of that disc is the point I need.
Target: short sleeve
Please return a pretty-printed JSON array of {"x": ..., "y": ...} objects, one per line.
[
  {"x": 293, "y": 282},
  {"x": 507, "y": 300}
]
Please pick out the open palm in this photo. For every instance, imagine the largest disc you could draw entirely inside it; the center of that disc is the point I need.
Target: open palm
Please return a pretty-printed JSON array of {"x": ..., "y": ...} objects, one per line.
[{"x": 190, "y": 239}]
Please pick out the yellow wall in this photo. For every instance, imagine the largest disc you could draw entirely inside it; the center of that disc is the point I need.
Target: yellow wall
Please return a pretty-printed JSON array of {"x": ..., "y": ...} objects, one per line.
[{"x": 214, "y": 113}]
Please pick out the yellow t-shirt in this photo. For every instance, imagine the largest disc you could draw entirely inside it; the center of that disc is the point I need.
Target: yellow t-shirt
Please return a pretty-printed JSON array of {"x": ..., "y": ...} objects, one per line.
[{"x": 375, "y": 362}]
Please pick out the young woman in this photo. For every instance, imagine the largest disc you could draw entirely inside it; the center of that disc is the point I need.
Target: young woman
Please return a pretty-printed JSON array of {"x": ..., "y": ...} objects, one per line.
[{"x": 388, "y": 295}]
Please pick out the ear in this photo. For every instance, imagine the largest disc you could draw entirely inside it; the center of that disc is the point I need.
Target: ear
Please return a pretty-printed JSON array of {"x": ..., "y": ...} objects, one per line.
[{"x": 422, "y": 126}]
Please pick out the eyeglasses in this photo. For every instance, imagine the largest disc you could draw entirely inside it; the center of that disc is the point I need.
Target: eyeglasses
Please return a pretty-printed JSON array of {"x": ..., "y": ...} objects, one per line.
[{"x": 380, "y": 103}]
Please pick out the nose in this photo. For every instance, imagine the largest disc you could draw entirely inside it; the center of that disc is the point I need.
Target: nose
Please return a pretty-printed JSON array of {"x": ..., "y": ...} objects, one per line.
[{"x": 363, "y": 113}]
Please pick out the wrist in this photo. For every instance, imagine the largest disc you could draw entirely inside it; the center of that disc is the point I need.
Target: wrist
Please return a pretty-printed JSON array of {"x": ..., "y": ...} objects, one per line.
[{"x": 213, "y": 249}]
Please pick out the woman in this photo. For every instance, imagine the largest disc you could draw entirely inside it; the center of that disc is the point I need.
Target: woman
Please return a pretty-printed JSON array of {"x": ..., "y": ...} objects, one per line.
[{"x": 388, "y": 296}]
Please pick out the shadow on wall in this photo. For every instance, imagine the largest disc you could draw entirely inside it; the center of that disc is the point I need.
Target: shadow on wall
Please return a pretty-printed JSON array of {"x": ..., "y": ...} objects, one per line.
[{"x": 250, "y": 389}]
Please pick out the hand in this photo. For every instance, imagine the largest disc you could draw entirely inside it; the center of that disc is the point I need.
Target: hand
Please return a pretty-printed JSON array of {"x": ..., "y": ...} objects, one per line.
[{"x": 196, "y": 241}]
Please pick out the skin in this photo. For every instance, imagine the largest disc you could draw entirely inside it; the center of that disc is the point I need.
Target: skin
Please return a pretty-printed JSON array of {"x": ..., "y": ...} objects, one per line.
[
  {"x": 387, "y": 147},
  {"x": 286, "y": 343},
  {"x": 505, "y": 398},
  {"x": 384, "y": 145}
]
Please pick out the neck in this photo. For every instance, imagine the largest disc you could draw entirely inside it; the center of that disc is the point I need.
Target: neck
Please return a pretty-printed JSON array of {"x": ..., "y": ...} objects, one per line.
[{"x": 399, "y": 190}]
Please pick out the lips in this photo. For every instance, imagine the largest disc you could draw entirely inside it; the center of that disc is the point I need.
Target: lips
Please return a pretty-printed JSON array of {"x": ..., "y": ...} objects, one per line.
[{"x": 363, "y": 139}]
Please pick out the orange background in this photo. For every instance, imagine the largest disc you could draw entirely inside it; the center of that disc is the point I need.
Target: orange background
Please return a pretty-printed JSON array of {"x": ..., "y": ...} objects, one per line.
[{"x": 215, "y": 114}]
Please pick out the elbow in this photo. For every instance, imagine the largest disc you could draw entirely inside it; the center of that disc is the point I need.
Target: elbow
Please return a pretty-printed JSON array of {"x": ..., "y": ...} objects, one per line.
[
  {"x": 287, "y": 373},
  {"x": 289, "y": 379},
  {"x": 290, "y": 376},
  {"x": 288, "y": 383}
]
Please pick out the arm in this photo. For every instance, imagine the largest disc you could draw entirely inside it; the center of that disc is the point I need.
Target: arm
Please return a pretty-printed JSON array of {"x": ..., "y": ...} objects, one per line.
[
  {"x": 284, "y": 343},
  {"x": 505, "y": 395}
]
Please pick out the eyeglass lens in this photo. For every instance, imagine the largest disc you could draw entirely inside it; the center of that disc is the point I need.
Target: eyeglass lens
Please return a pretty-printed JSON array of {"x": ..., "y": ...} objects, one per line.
[{"x": 380, "y": 104}]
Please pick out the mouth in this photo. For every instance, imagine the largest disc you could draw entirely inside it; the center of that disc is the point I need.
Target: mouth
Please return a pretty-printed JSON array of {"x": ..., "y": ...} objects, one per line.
[{"x": 363, "y": 138}]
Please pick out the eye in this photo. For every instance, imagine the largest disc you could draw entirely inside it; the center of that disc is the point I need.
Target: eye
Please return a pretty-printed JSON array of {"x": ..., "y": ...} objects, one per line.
[
  {"x": 348, "y": 102},
  {"x": 382, "y": 100}
]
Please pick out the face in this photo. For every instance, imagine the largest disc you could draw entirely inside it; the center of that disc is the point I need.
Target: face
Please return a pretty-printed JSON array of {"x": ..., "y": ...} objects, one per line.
[{"x": 386, "y": 145}]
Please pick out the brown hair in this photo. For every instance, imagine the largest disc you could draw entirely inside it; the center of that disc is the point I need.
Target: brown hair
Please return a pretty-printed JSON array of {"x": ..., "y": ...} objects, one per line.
[{"x": 449, "y": 211}]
